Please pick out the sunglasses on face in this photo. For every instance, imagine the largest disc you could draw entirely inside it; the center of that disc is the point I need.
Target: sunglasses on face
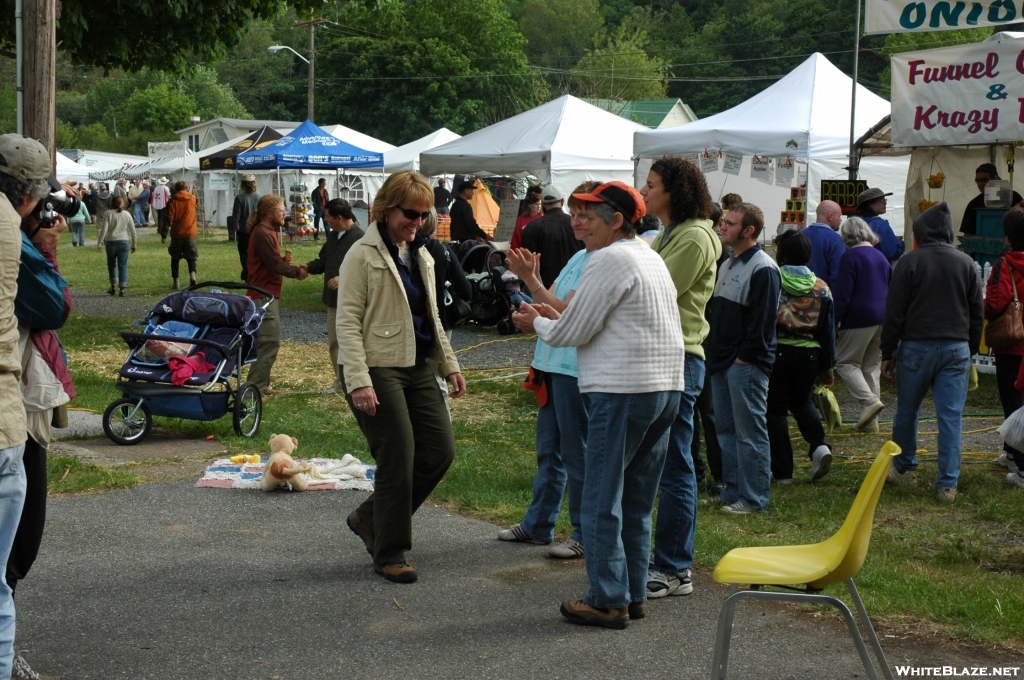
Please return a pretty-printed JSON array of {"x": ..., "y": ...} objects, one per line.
[{"x": 411, "y": 214}]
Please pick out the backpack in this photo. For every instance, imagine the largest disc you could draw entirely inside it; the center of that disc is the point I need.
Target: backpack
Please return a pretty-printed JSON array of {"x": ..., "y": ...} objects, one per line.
[{"x": 40, "y": 303}]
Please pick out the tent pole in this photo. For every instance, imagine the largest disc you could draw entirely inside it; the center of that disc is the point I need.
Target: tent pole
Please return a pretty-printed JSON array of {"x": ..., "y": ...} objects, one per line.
[{"x": 853, "y": 98}]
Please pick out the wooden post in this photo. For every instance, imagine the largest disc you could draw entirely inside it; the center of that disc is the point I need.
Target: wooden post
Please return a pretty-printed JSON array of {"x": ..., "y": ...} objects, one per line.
[{"x": 40, "y": 62}]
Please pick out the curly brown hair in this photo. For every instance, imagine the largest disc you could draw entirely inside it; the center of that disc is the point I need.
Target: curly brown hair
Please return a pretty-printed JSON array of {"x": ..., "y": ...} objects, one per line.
[{"x": 689, "y": 197}]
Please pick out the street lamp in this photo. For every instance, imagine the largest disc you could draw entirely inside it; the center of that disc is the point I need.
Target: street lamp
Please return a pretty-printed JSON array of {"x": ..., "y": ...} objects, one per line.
[{"x": 309, "y": 88}]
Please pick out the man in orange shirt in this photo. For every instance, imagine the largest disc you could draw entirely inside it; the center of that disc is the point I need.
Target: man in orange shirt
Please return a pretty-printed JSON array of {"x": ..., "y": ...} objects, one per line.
[{"x": 184, "y": 232}]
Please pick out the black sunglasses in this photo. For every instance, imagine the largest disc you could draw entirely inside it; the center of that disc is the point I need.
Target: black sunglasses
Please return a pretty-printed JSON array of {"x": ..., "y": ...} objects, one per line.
[{"x": 411, "y": 214}]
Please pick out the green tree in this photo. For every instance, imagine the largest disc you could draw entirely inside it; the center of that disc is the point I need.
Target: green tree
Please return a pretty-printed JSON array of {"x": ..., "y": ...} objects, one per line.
[
  {"x": 158, "y": 108},
  {"x": 270, "y": 87},
  {"x": 158, "y": 34},
  {"x": 559, "y": 32},
  {"x": 420, "y": 66},
  {"x": 620, "y": 70}
]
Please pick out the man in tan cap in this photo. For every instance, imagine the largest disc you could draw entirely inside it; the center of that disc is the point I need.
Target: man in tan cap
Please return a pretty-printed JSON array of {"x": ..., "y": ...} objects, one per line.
[{"x": 24, "y": 179}]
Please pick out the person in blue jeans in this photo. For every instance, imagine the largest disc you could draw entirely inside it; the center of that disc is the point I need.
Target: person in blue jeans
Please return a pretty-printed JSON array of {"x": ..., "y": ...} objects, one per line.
[
  {"x": 561, "y": 419},
  {"x": 741, "y": 354},
  {"x": 932, "y": 326},
  {"x": 624, "y": 323},
  {"x": 677, "y": 194}
]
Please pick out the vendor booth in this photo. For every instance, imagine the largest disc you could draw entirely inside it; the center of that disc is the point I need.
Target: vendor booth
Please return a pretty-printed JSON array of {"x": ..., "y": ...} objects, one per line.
[
  {"x": 67, "y": 169},
  {"x": 799, "y": 128},
  {"x": 306, "y": 153},
  {"x": 565, "y": 142},
  {"x": 948, "y": 123}
]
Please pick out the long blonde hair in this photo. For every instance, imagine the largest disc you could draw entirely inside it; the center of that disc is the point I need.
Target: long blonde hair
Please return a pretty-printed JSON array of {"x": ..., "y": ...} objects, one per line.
[{"x": 267, "y": 204}]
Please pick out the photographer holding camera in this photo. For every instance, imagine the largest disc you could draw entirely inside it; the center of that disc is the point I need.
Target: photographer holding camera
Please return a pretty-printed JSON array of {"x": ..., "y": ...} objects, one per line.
[{"x": 34, "y": 380}]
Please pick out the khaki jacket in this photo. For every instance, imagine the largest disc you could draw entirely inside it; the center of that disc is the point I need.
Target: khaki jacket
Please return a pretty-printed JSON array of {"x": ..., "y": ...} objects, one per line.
[
  {"x": 12, "y": 411},
  {"x": 374, "y": 321}
]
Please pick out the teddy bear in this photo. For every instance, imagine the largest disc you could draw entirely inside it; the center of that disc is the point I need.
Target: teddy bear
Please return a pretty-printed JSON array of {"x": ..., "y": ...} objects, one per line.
[{"x": 281, "y": 468}]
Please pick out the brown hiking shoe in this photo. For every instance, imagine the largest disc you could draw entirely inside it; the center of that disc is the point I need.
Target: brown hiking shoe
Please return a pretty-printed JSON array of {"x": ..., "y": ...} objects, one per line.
[
  {"x": 399, "y": 572},
  {"x": 577, "y": 611},
  {"x": 362, "y": 530}
]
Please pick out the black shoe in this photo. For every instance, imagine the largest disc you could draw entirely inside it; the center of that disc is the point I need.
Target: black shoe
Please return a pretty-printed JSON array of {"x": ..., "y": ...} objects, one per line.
[
  {"x": 110, "y": 291},
  {"x": 636, "y": 611}
]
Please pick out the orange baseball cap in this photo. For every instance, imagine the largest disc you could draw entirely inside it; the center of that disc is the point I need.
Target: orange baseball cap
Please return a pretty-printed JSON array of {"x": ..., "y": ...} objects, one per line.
[{"x": 619, "y": 195}]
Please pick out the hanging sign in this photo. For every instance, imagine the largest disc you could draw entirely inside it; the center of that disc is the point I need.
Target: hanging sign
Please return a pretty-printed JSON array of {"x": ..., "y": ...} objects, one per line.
[
  {"x": 167, "y": 150},
  {"x": 507, "y": 216},
  {"x": 761, "y": 170},
  {"x": 904, "y": 16},
  {"x": 844, "y": 192},
  {"x": 218, "y": 182},
  {"x": 784, "y": 172},
  {"x": 709, "y": 163},
  {"x": 968, "y": 94},
  {"x": 733, "y": 163}
]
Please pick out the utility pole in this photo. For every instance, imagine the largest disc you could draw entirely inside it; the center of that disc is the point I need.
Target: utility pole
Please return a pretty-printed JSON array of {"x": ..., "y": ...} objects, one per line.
[
  {"x": 40, "y": 74},
  {"x": 311, "y": 84},
  {"x": 853, "y": 96}
]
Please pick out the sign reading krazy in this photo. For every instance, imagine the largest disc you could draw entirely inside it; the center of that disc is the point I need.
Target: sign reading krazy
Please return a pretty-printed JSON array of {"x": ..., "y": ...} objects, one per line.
[
  {"x": 902, "y": 16},
  {"x": 970, "y": 94}
]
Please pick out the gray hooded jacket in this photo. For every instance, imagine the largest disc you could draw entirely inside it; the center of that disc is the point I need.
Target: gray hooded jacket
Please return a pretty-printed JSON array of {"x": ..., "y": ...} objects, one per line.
[{"x": 935, "y": 292}]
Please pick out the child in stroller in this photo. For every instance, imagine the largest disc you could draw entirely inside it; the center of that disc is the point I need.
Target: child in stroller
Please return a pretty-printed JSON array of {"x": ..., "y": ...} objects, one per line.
[{"x": 497, "y": 291}]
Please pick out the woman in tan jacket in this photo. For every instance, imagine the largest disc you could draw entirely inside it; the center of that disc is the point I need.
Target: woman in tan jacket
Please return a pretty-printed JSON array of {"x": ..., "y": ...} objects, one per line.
[{"x": 388, "y": 326}]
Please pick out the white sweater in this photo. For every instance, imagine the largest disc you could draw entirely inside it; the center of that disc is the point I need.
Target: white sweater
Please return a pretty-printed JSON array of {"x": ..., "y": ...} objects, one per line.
[{"x": 624, "y": 323}]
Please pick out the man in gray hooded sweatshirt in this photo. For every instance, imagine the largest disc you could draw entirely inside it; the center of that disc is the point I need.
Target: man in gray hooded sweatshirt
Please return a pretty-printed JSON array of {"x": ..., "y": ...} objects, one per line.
[{"x": 932, "y": 327}]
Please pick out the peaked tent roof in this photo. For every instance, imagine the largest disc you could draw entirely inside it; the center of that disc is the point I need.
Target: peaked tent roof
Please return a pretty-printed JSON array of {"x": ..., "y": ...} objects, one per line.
[
  {"x": 309, "y": 146},
  {"x": 563, "y": 141},
  {"x": 356, "y": 138},
  {"x": 224, "y": 159},
  {"x": 804, "y": 115},
  {"x": 407, "y": 156}
]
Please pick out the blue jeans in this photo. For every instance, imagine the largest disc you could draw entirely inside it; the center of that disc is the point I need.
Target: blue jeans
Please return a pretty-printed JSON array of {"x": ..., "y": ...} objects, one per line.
[
  {"x": 137, "y": 210},
  {"x": 677, "y": 509},
  {"x": 77, "y": 233},
  {"x": 561, "y": 443},
  {"x": 945, "y": 368},
  {"x": 741, "y": 402},
  {"x": 117, "y": 262},
  {"x": 518, "y": 297},
  {"x": 627, "y": 438},
  {"x": 12, "y": 499}
]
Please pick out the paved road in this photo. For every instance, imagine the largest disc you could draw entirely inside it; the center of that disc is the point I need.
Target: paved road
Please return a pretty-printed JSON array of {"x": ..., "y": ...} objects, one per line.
[{"x": 167, "y": 581}]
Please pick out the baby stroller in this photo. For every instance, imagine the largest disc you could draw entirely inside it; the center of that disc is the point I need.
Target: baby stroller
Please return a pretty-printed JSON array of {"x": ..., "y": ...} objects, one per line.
[
  {"x": 496, "y": 291},
  {"x": 165, "y": 374}
]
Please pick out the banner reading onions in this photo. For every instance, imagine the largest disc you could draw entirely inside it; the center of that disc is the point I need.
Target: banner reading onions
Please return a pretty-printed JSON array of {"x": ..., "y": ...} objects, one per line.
[
  {"x": 970, "y": 94},
  {"x": 904, "y": 16}
]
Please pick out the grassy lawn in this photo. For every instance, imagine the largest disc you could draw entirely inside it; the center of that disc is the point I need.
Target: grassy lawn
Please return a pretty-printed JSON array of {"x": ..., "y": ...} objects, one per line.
[
  {"x": 149, "y": 268},
  {"x": 951, "y": 569}
]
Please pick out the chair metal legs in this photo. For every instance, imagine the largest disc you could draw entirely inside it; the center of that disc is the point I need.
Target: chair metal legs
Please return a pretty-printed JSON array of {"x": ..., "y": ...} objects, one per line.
[
  {"x": 725, "y": 620},
  {"x": 866, "y": 622}
]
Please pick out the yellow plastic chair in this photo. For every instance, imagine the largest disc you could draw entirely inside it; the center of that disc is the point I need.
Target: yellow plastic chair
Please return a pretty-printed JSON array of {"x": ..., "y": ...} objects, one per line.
[{"x": 814, "y": 566}]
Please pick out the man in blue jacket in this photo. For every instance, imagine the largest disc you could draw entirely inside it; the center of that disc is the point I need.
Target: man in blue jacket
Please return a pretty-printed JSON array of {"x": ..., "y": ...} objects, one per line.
[
  {"x": 826, "y": 244},
  {"x": 740, "y": 357},
  {"x": 871, "y": 204}
]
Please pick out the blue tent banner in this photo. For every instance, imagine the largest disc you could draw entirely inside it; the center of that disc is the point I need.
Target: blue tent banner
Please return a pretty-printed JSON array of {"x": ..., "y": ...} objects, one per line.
[{"x": 309, "y": 146}]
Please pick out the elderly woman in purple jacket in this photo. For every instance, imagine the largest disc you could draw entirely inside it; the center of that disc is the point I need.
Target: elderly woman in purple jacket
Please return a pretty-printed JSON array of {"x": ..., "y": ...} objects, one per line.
[{"x": 859, "y": 291}]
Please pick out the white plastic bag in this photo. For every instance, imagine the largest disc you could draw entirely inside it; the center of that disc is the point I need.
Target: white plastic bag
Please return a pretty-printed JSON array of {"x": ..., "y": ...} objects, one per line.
[{"x": 1012, "y": 429}]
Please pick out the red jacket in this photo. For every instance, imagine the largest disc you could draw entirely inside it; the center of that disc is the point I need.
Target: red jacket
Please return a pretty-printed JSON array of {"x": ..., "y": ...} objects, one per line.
[{"x": 999, "y": 291}]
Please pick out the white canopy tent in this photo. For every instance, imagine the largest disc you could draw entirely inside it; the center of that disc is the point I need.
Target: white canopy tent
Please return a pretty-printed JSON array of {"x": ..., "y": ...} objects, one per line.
[
  {"x": 805, "y": 116},
  {"x": 68, "y": 169},
  {"x": 565, "y": 142},
  {"x": 407, "y": 156},
  {"x": 356, "y": 138}
]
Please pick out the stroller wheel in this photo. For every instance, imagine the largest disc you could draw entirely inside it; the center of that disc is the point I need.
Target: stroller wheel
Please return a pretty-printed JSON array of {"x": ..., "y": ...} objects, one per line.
[
  {"x": 127, "y": 421},
  {"x": 506, "y": 328},
  {"x": 248, "y": 410}
]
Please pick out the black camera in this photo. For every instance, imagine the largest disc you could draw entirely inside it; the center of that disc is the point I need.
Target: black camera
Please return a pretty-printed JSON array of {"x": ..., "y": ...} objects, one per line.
[{"x": 58, "y": 203}]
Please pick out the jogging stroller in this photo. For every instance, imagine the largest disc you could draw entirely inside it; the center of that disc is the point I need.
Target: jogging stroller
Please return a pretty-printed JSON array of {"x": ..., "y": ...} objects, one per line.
[
  {"x": 194, "y": 344},
  {"x": 495, "y": 294}
]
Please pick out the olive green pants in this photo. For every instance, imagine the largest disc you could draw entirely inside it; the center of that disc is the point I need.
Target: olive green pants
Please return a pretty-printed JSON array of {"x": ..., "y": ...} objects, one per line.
[
  {"x": 411, "y": 440},
  {"x": 268, "y": 347}
]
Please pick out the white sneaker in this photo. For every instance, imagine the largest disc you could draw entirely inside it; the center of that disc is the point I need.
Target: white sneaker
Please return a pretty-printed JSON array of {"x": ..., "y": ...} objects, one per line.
[
  {"x": 1015, "y": 479},
  {"x": 20, "y": 670},
  {"x": 821, "y": 462},
  {"x": 567, "y": 550},
  {"x": 869, "y": 413},
  {"x": 908, "y": 479},
  {"x": 1005, "y": 461}
]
